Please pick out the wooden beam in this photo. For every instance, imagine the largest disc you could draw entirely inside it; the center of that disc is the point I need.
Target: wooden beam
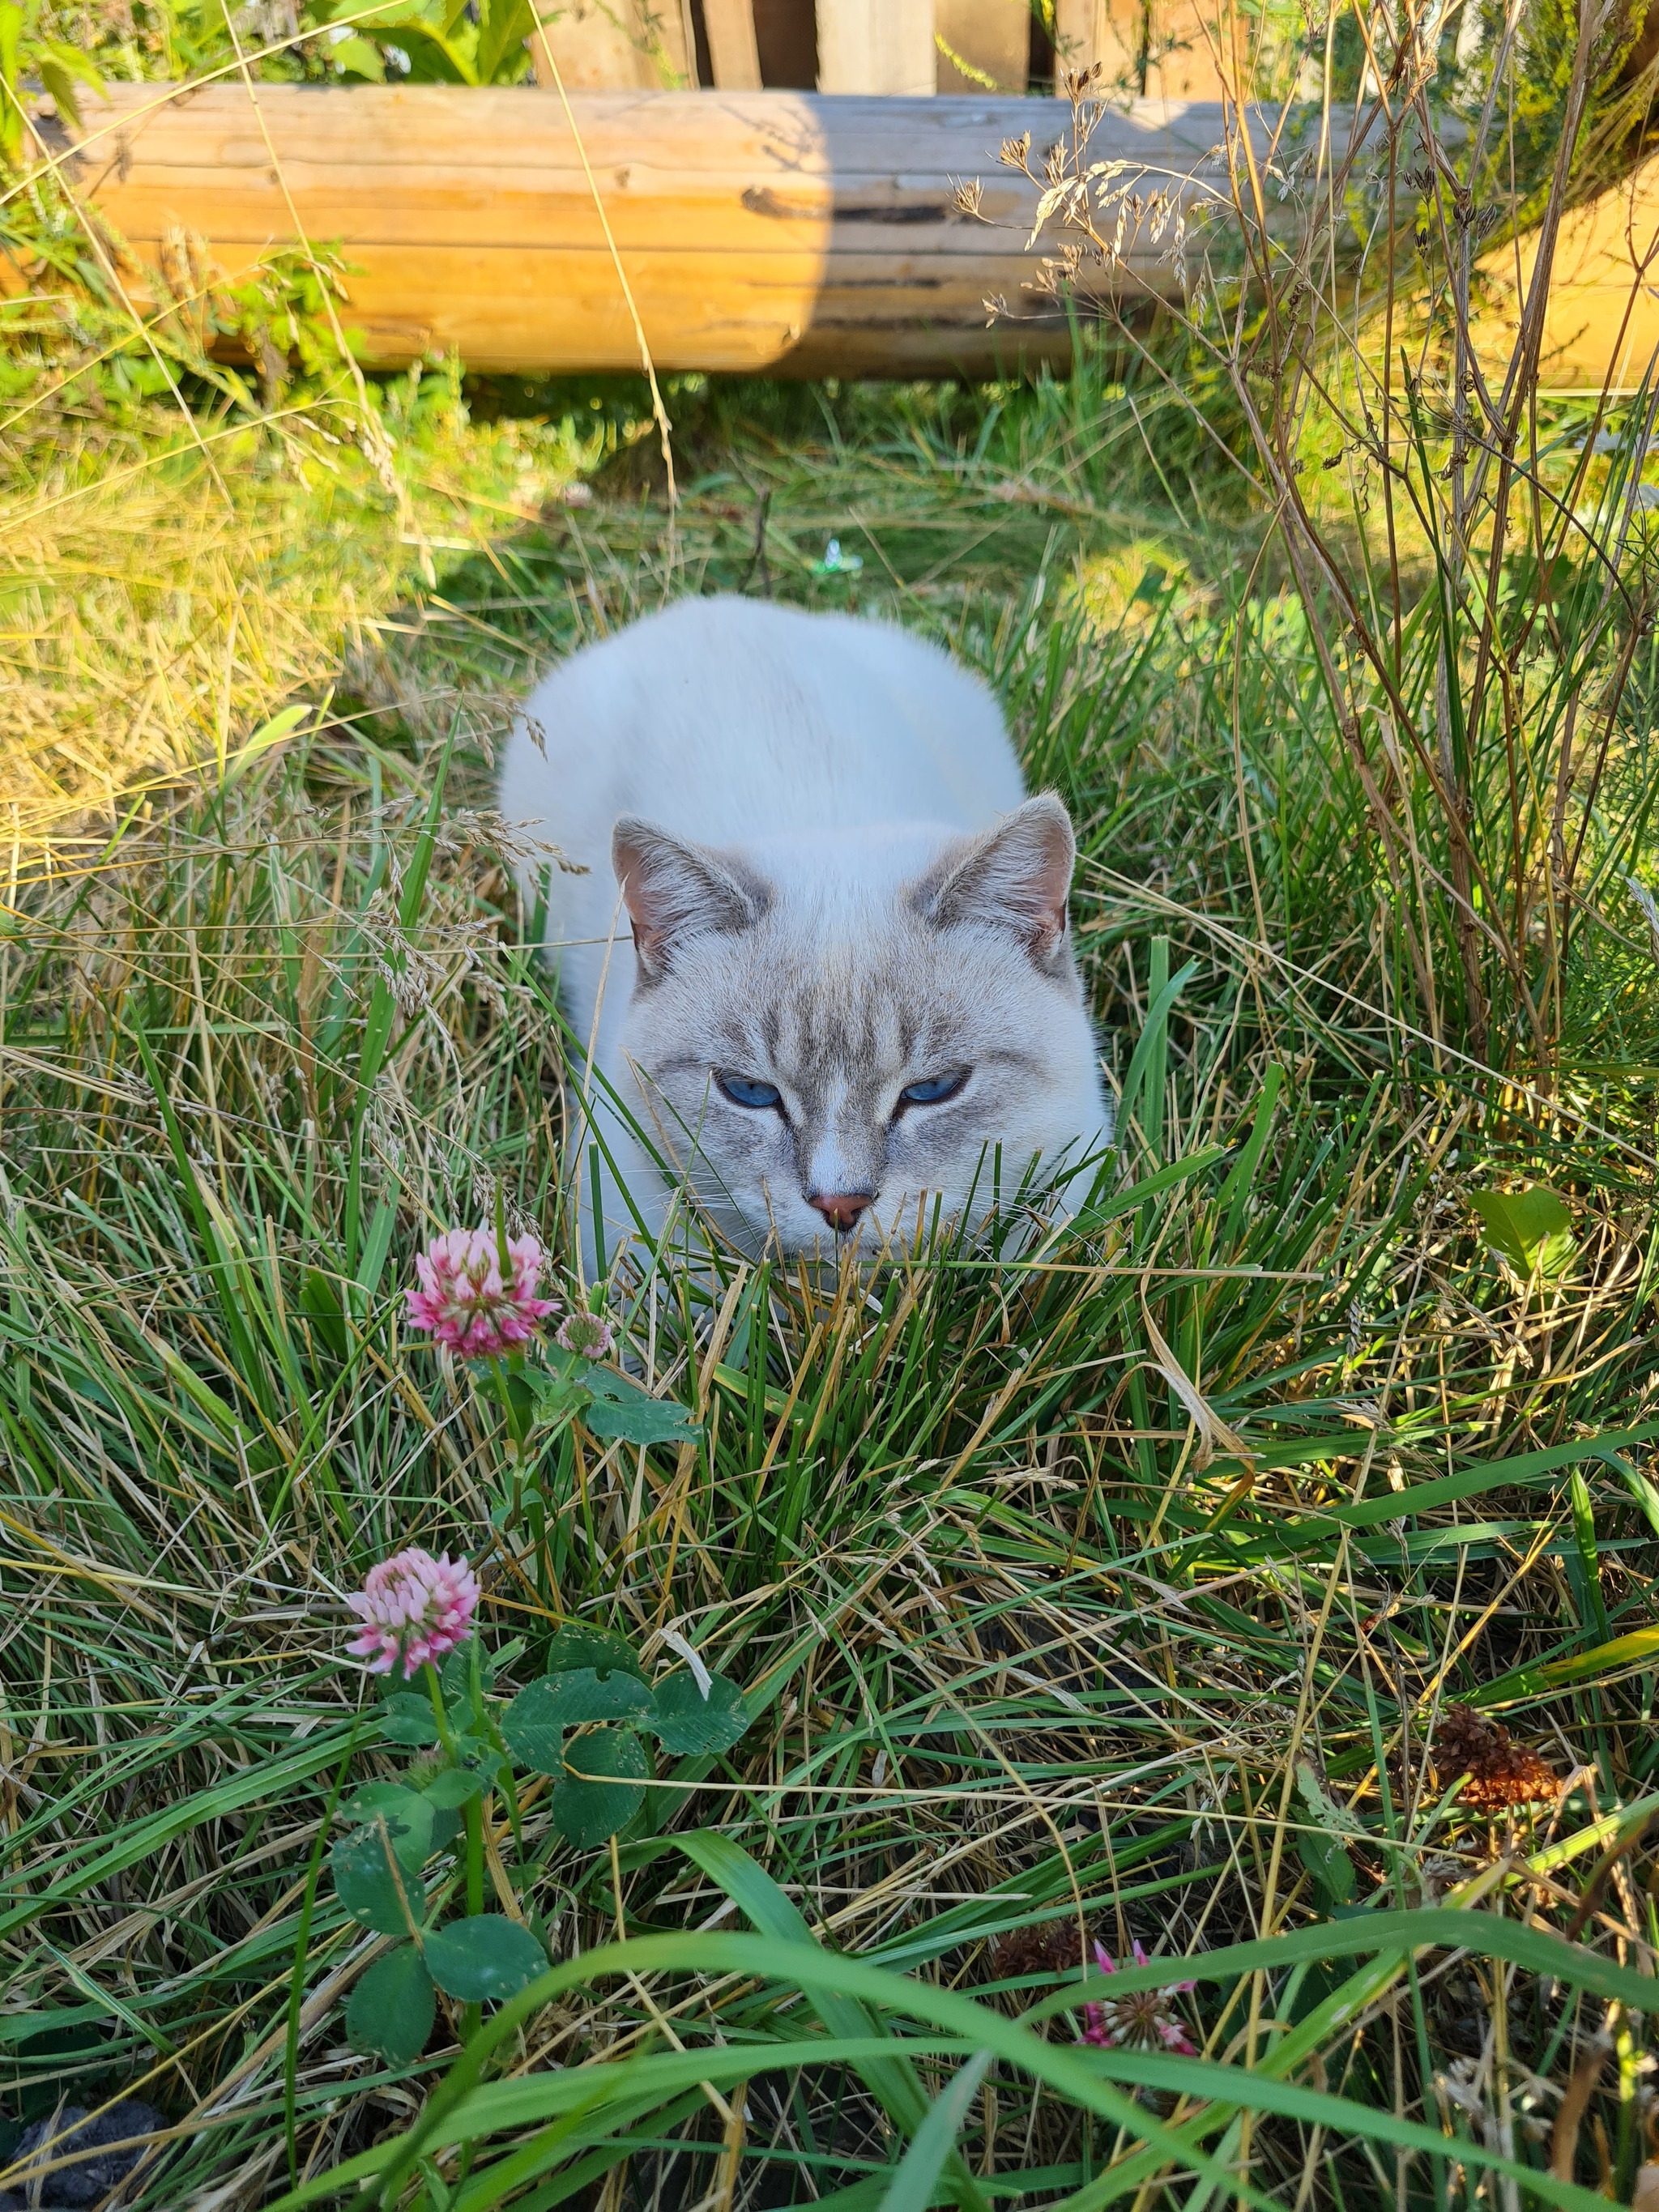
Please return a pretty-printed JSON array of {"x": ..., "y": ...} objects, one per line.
[
  {"x": 732, "y": 48},
  {"x": 877, "y": 46},
  {"x": 767, "y": 231}
]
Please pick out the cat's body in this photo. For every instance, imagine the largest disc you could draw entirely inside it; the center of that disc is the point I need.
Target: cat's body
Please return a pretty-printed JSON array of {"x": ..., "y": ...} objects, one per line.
[{"x": 828, "y": 899}]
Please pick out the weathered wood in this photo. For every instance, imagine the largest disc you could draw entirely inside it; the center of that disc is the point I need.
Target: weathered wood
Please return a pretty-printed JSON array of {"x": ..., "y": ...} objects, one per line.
[
  {"x": 877, "y": 46},
  {"x": 613, "y": 45},
  {"x": 759, "y": 231},
  {"x": 991, "y": 37},
  {"x": 731, "y": 47}
]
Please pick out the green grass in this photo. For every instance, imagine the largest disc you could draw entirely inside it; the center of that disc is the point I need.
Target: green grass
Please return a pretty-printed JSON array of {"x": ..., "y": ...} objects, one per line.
[{"x": 1119, "y": 1589}]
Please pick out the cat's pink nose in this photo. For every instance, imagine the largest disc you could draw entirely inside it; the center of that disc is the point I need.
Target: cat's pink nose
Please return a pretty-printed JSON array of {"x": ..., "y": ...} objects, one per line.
[{"x": 841, "y": 1208}]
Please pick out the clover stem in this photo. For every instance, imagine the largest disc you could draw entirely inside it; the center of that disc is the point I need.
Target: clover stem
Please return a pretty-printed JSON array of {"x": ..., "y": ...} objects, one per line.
[
  {"x": 473, "y": 1812},
  {"x": 515, "y": 1441},
  {"x": 435, "y": 1690}
]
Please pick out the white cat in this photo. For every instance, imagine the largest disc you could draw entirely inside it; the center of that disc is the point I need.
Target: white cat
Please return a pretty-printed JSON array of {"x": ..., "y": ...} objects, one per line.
[{"x": 820, "y": 953}]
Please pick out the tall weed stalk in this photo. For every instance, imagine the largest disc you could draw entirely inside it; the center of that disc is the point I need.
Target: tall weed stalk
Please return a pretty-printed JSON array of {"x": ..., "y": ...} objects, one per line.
[{"x": 1475, "y": 565}]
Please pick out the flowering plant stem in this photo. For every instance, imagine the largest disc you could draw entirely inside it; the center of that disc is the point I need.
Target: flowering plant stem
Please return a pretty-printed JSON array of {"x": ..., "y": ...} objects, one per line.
[
  {"x": 516, "y": 1431},
  {"x": 472, "y": 1813}
]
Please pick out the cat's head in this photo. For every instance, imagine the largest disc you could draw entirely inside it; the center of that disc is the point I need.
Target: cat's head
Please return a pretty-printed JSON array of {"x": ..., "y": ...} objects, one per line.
[{"x": 857, "y": 1039}]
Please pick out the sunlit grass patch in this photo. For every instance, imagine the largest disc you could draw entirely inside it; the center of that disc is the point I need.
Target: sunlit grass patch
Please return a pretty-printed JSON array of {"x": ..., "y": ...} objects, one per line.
[{"x": 1110, "y": 1591}]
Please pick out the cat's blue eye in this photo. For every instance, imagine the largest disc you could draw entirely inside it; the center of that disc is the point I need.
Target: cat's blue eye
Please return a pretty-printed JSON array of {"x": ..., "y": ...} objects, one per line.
[
  {"x": 934, "y": 1090},
  {"x": 742, "y": 1091}
]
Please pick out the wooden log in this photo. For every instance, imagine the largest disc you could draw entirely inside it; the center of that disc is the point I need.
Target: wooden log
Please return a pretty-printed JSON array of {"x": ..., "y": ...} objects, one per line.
[{"x": 773, "y": 231}]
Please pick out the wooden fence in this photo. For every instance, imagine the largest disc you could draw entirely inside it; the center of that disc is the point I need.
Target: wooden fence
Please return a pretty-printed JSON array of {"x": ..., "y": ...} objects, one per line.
[{"x": 1159, "y": 49}]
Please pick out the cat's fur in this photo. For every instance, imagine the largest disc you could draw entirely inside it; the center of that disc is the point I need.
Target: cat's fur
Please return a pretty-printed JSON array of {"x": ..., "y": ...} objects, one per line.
[{"x": 809, "y": 867}]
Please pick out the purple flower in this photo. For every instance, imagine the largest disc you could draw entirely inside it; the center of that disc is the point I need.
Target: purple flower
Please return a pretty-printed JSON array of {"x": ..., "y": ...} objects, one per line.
[
  {"x": 1145, "y": 2020},
  {"x": 465, "y": 1302},
  {"x": 590, "y": 1335},
  {"x": 414, "y": 1608}
]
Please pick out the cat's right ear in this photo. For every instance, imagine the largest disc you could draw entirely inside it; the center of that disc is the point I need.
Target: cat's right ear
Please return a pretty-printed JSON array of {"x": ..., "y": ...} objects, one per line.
[{"x": 675, "y": 890}]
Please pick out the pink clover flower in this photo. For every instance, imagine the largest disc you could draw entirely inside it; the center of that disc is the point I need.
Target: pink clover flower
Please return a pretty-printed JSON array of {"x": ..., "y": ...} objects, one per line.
[
  {"x": 1143, "y": 2021},
  {"x": 463, "y": 1299},
  {"x": 590, "y": 1335},
  {"x": 414, "y": 1608}
]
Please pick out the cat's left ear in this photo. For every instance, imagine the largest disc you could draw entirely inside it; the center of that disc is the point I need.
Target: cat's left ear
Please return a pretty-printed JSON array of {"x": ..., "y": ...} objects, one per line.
[{"x": 1015, "y": 876}]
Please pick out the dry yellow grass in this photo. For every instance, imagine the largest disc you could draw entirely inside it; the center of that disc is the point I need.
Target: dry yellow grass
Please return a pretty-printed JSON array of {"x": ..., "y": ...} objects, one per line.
[{"x": 159, "y": 602}]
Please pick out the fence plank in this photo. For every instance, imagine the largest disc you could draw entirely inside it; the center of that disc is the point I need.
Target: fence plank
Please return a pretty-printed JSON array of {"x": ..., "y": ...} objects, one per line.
[
  {"x": 731, "y": 47},
  {"x": 877, "y": 46},
  {"x": 993, "y": 37}
]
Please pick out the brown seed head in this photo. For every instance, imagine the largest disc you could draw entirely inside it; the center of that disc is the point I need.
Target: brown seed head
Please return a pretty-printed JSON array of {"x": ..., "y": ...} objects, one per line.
[
  {"x": 1501, "y": 1772},
  {"x": 1051, "y": 1949}
]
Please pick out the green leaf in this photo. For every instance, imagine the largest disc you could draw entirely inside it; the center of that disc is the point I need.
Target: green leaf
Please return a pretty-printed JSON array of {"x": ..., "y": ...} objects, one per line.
[
  {"x": 1326, "y": 1858},
  {"x": 683, "y": 1721},
  {"x": 393, "y": 2007},
  {"x": 534, "y": 1723},
  {"x": 355, "y": 57},
  {"x": 370, "y": 1884},
  {"x": 1089, "y": 1218},
  {"x": 1643, "y": 1491},
  {"x": 466, "y": 2110},
  {"x": 455, "y": 1676},
  {"x": 894, "y": 2082},
  {"x": 587, "y": 1811},
  {"x": 485, "y": 1959},
  {"x": 433, "y": 59},
  {"x": 915, "y": 2178},
  {"x": 1532, "y": 1229},
  {"x": 577, "y": 1695},
  {"x": 477, "y": 1752},
  {"x": 319, "y": 1296},
  {"x": 503, "y": 26},
  {"x": 578, "y": 1645},
  {"x": 622, "y": 1411},
  {"x": 456, "y": 1785},
  {"x": 407, "y": 1814},
  {"x": 554, "y": 1378},
  {"x": 1321, "y": 1847},
  {"x": 407, "y": 1718},
  {"x": 60, "y": 84},
  {"x": 1151, "y": 1038},
  {"x": 1313, "y": 1523}
]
